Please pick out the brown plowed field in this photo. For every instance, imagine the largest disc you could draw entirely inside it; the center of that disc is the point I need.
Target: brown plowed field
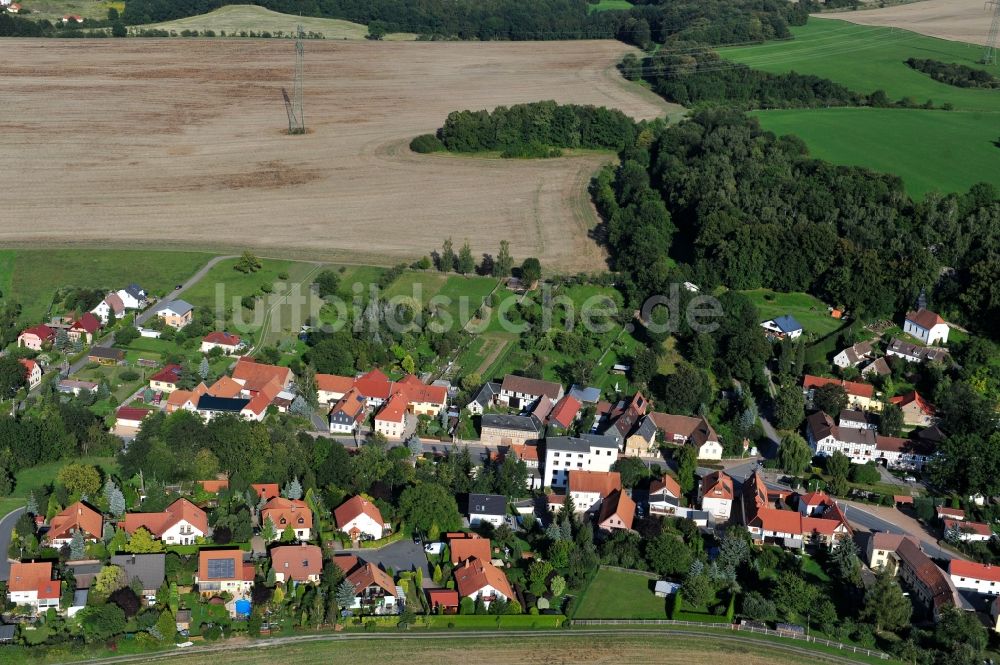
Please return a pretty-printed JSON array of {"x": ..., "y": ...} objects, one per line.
[
  {"x": 956, "y": 20},
  {"x": 181, "y": 142}
]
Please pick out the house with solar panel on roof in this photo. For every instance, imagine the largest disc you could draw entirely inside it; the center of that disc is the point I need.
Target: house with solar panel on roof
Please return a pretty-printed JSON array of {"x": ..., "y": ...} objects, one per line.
[{"x": 782, "y": 327}]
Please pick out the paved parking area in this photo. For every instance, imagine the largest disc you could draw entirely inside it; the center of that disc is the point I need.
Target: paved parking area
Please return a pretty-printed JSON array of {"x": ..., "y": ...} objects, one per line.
[{"x": 401, "y": 556}]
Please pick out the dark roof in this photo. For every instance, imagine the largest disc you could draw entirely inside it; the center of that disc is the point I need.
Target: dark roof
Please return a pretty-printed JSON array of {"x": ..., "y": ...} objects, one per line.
[
  {"x": 589, "y": 395},
  {"x": 582, "y": 443},
  {"x": 226, "y": 404},
  {"x": 487, "y": 504},
  {"x": 504, "y": 421},
  {"x": 787, "y": 323},
  {"x": 529, "y": 386},
  {"x": 104, "y": 352},
  {"x": 646, "y": 429},
  {"x": 487, "y": 393},
  {"x": 149, "y": 568},
  {"x": 7, "y": 632},
  {"x": 135, "y": 291}
]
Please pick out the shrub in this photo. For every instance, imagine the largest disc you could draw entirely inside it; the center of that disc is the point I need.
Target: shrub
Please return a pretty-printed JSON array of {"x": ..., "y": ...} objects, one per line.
[{"x": 426, "y": 143}]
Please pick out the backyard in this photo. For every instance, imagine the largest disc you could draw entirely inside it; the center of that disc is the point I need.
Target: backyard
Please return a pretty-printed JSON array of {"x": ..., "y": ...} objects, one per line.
[{"x": 621, "y": 595}]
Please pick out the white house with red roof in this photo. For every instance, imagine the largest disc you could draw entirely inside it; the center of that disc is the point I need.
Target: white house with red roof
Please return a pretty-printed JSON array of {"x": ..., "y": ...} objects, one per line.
[
  {"x": 36, "y": 337},
  {"x": 32, "y": 372},
  {"x": 818, "y": 521},
  {"x": 966, "y": 531},
  {"x": 926, "y": 326},
  {"x": 181, "y": 523},
  {"x": 715, "y": 492},
  {"x": 390, "y": 421},
  {"x": 285, "y": 513},
  {"x": 859, "y": 395},
  {"x": 13, "y": 8},
  {"x": 617, "y": 512},
  {"x": 972, "y": 576},
  {"x": 331, "y": 388},
  {"x": 565, "y": 411},
  {"x": 84, "y": 328},
  {"x": 347, "y": 414},
  {"x": 944, "y": 512},
  {"x": 589, "y": 488},
  {"x": 31, "y": 584},
  {"x": 360, "y": 519},
  {"x": 916, "y": 410},
  {"x": 229, "y": 343},
  {"x": 166, "y": 379},
  {"x": 131, "y": 417},
  {"x": 478, "y": 579},
  {"x": 104, "y": 309}
]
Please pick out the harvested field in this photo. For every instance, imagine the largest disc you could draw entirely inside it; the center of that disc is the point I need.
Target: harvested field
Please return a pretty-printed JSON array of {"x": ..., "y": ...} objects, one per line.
[
  {"x": 182, "y": 143},
  {"x": 957, "y": 20}
]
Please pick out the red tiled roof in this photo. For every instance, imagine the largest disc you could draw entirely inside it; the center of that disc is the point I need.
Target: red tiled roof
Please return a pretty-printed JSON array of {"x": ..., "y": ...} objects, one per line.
[
  {"x": 924, "y": 318},
  {"x": 290, "y": 511},
  {"x": 266, "y": 490},
  {"x": 886, "y": 541},
  {"x": 418, "y": 392},
  {"x": 235, "y": 555},
  {"x": 447, "y": 598},
  {"x": 132, "y": 413},
  {"x": 225, "y": 387},
  {"x": 355, "y": 506},
  {"x": 913, "y": 396},
  {"x": 665, "y": 482},
  {"x": 158, "y": 523},
  {"x": 222, "y": 338},
  {"x": 346, "y": 562},
  {"x": 671, "y": 424},
  {"x": 41, "y": 331},
  {"x": 850, "y": 387},
  {"x": 620, "y": 505},
  {"x": 717, "y": 485},
  {"x": 978, "y": 571},
  {"x": 565, "y": 411},
  {"x": 963, "y": 526},
  {"x": 331, "y": 383},
  {"x": 374, "y": 384},
  {"x": 394, "y": 410},
  {"x": 168, "y": 374},
  {"x": 370, "y": 575},
  {"x": 926, "y": 571},
  {"x": 602, "y": 482},
  {"x": 115, "y": 303},
  {"x": 956, "y": 513},
  {"x": 88, "y": 322},
  {"x": 76, "y": 516},
  {"x": 297, "y": 562},
  {"x": 28, "y": 364},
  {"x": 214, "y": 486},
  {"x": 525, "y": 452},
  {"x": 33, "y": 577},
  {"x": 475, "y": 574},
  {"x": 256, "y": 376},
  {"x": 467, "y": 548}
]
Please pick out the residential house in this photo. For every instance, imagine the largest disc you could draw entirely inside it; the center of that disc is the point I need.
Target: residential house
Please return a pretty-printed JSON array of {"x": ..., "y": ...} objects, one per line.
[
  {"x": 84, "y": 329},
  {"x": 14, "y": 8},
  {"x": 481, "y": 580},
  {"x": 500, "y": 429},
  {"x": 464, "y": 546},
  {"x": 111, "y": 304},
  {"x": 642, "y": 441},
  {"x": 897, "y": 453},
  {"x": 375, "y": 386},
  {"x": 859, "y": 395},
  {"x": 36, "y": 337},
  {"x": 209, "y": 406},
  {"x": 781, "y": 327},
  {"x": 299, "y": 563},
  {"x": 518, "y": 392},
  {"x": 76, "y": 387},
  {"x": 878, "y": 367},
  {"x": 422, "y": 399},
  {"x": 853, "y": 355},
  {"x": 375, "y": 592},
  {"x": 926, "y": 326},
  {"x": 175, "y": 313},
  {"x": 229, "y": 344},
  {"x": 260, "y": 378},
  {"x": 483, "y": 508},
  {"x": 857, "y": 419},
  {"x": 966, "y": 531},
  {"x": 149, "y": 569},
  {"x": 105, "y": 356},
  {"x": 972, "y": 576},
  {"x": 528, "y": 453},
  {"x": 32, "y": 372},
  {"x": 443, "y": 601},
  {"x": 348, "y": 413},
  {"x": 916, "y": 410},
  {"x": 75, "y": 517},
  {"x": 589, "y": 488},
  {"x": 224, "y": 571},
  {"x": 684, "y": 430},
  {"x": 266, "y": 491},
  {"x": 484, "y": 399},
  {"x": 768, "y": 523},
  {"x": 31, "y": 584},
  {"x": 564, "y": 413},
  {"x": 390, "y": 421},
  {"x": 863, "y": 445},
  {"x": 621, "y": 419},
  {"x": 131, "y": 417},
  {"x": 132, "y": 296},
  {"x": 664, "y": 495},
  {"x": 881, "y": 548},
  {"x": 285, "y": 513},
  {"x": 927, "y": 583},
  {"x": 944, "y": 512},
  {"x": 331, "y": 388},
  {"x": 166, "y": 379},
  {"x": 360, "y": 519},
  {"x": 180, "y": 523},
  {"x": 617, "y": 512},
  {"x": 588, "y": 452},
  {"x": 715, "y": 493},
  {"x": 915, "y": 353}
]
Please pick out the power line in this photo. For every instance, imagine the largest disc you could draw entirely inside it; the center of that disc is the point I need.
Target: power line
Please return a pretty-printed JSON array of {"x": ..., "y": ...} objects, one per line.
[{"x": 990, "y": 53}]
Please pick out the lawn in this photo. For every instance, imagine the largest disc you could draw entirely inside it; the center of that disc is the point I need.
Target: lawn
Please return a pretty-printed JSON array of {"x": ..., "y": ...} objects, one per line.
[
  {"x": 33, "y": 275},
  {"x": 810, "y": 312},
  {"x": 36, "y": 477},
  {"x": 617, "y": 595},
  {"x": 235, "y": 18},
  {"x": 943, "y": 150},
  {"x": 605, "y": 5}
]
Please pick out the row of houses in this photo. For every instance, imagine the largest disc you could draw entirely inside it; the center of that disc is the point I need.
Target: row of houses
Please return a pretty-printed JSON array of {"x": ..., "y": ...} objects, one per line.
[
  {"x": 856, "y": 436},
  {"x": 351, "y": 399}
]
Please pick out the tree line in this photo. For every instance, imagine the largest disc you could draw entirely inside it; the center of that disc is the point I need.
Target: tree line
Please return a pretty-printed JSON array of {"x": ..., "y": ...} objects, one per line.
[{"x": 960, "y": 76}]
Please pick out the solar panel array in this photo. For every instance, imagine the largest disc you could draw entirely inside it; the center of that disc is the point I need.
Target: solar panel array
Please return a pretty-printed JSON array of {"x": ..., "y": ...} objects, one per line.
[{"x": 221, "y": 569}]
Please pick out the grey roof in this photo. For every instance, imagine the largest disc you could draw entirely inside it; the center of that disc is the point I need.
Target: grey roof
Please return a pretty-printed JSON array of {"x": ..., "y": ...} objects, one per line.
[
  {"x": 487, "y": 504},
  {"x": 505, "y": 421},
  {"x": 864, "y": 437},
  {"x": 149, "y": 568},
  {"x": 105, "y": 352},
  {"x": 7, "y": 632},
  {"x": 135, "y": 291},
  {"x": 486, "y": 394},
  {"x": 84, "y": 572},
  {"x": 854, "y": 416},
  {"x": 698, "y": 515},
  {"x": 182, "y": 307},
  {"x": 223, "y": 404},
  {"x": 588, "y": 395},
  {"x": 646, "y": 429},
  {"x": 80, "y": 597},
  {"x": 581, "y": 444}
]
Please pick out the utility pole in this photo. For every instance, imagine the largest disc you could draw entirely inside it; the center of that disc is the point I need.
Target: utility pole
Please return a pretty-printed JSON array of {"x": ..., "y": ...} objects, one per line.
[
  {"x": 293, "y": 104},
  {"x": 990, "y": 52}
]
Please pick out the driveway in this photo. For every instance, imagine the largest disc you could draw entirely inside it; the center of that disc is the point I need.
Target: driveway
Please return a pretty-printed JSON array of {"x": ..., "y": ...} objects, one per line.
[
  {"x": 6, "y": 527},
  {"x": 401, "y": 556}
]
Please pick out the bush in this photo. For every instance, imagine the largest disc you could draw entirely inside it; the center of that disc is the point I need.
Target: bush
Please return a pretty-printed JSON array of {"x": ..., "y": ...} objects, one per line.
[
  {"x": 865, "y": 474},
  {"x": 426, "y": 143},
  {"x": 129, "y": 375}
]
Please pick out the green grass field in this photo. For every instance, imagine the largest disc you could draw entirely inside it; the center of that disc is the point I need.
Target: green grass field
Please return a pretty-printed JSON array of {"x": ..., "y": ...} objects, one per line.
[
  {"x": 31, "y": 276},
  {"x": 236, "y": 18},
  {"x": 930, "y": 150},
  {"x": 618, "y": 595},
  {"x": 809, "y": 311},
  {"x": 605, "y": 5},
  {"x": 38, "y": 476}
]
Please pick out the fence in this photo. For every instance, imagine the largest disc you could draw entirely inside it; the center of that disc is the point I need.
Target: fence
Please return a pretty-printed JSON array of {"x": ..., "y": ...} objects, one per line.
[
  {"x": 736, "y": 627},
  {"x": 644, "y": 573}
]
